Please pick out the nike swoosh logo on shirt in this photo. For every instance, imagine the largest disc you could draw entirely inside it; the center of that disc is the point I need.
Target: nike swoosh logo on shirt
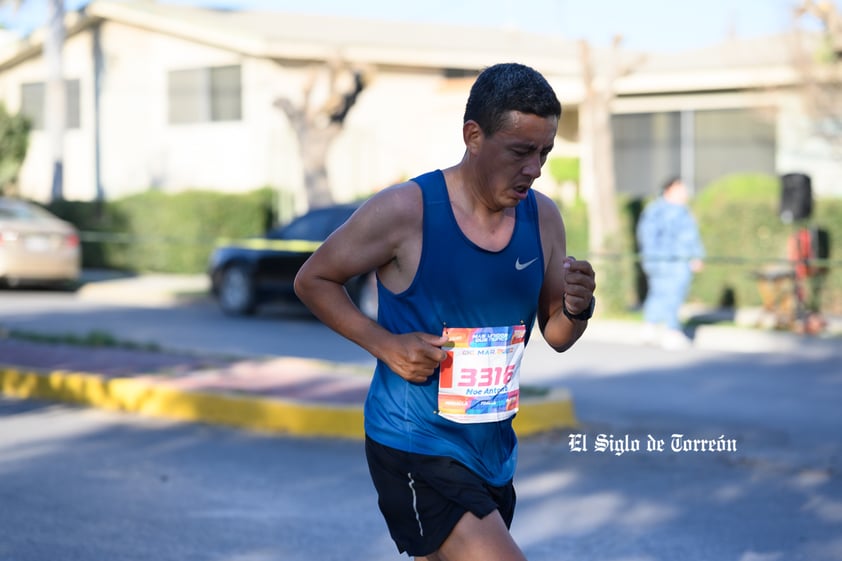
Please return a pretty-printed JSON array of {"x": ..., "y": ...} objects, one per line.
[{"x": 521, "y": 266}]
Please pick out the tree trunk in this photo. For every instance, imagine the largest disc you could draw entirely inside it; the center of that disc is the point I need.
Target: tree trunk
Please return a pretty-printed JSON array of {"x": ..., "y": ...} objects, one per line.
[
  {"x": 317, "y": 125},
  {"x": 313, "y": 147},
  {"x": 597, "y": 160}
]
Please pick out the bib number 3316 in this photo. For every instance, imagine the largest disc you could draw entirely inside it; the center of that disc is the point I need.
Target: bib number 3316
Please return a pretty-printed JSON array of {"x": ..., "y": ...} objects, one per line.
[{"x": 479, "y": 379}]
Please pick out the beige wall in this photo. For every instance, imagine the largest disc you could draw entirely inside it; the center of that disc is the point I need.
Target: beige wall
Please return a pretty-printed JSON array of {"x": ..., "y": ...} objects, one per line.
[
  {"x": 141, "y": 149},
  {"x": 405, "y": 124}
]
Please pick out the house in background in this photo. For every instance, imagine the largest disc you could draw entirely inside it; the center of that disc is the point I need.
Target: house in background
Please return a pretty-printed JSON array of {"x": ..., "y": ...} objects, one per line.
[
  {"x": 734, "y": 107},
  {"x": 174, "y": 97}
]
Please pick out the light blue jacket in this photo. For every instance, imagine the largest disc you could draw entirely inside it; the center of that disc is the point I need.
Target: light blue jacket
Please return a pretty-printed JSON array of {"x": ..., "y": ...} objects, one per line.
[{"x": 668, "y": 237}]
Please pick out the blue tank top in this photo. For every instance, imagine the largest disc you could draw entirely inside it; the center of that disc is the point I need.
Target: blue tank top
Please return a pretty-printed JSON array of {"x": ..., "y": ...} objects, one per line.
[{"x": 458, "y": 284}]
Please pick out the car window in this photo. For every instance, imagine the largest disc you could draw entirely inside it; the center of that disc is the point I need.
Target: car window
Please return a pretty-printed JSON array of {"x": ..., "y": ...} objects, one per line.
[
  {"x": 314, "y": 226},
  {"x": 21, "y": 211}
]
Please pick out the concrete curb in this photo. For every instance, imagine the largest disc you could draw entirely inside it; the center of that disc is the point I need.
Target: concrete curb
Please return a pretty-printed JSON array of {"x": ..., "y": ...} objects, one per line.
[{"x": 254, "y": 413}]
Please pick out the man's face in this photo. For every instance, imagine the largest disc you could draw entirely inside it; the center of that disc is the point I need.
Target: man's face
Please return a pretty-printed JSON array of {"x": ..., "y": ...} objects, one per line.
[{"x": 510, "y": 160}]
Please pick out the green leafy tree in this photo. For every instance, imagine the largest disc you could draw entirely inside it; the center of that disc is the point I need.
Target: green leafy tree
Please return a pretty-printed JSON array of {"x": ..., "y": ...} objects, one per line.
[{"x": 14, "y": 141}]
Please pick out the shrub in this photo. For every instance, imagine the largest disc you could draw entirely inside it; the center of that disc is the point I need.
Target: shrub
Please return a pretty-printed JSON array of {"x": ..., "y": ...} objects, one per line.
[
  {"x": 742, "y": 233},
  {"x": 564, "y": 169},
  {"x": 14, "y": 142},
  {"x": 155, "y": 231}
]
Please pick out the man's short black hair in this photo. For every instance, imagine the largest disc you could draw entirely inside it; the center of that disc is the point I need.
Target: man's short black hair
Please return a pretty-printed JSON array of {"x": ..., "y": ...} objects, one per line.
[{"x": 509, "y": 87}]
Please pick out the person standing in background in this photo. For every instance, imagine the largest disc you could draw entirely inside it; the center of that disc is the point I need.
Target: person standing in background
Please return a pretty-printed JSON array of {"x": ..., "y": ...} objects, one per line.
[{"x": 671, "y": 252}]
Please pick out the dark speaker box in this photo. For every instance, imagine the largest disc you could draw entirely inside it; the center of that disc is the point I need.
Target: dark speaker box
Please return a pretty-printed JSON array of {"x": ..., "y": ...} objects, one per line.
[
  {"x": 820, "y": 243},
  {"x": 796, "y": 197}
]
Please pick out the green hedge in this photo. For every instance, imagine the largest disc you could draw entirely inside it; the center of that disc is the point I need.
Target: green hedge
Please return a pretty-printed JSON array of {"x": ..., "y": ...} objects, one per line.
[
  {"x": 739, "y": 220},
  {"x": 564, "y": 169},
  {"x": 742, "y": 232},
  {"x": 173, "y": 233}
]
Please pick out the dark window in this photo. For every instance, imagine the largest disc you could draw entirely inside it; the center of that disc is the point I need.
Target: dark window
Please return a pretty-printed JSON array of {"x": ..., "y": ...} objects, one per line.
[
  {"x": 33, "y": 96},
  {"x": 205, "y": 94}
]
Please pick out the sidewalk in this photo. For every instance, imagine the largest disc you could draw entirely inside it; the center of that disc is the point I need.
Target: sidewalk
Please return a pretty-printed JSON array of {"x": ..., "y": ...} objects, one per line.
[{"x": 280, "y": 394}]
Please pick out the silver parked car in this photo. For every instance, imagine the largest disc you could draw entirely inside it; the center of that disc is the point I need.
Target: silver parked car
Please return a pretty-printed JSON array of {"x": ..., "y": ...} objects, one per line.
[{"x": 36, "y": 247}]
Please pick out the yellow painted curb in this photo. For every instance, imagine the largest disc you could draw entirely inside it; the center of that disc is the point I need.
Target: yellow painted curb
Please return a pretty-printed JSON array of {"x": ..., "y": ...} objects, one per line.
[
  {"x": 555, "y": 411},
  {"x": 253, "y": 413}
]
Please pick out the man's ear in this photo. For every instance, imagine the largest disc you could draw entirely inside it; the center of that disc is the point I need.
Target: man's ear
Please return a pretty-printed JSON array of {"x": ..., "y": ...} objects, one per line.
[{"x": 473, "y": 136}]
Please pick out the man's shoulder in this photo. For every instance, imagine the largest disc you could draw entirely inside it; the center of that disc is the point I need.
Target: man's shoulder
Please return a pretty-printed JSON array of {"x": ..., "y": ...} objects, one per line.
[{"x": 400, "y": 201}]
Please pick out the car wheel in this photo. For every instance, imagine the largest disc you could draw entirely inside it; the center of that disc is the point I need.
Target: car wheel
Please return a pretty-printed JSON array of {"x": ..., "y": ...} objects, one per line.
[
  {"x": 365, "y": 296},
  {"x": 236, "y": 291}
]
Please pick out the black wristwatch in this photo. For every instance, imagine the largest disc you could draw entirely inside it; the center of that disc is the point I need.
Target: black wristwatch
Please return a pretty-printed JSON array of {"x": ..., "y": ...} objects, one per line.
[{"x": 581, "y": 316}]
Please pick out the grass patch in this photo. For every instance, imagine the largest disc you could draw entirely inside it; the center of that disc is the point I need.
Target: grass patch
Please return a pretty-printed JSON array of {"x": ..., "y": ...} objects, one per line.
[
  {"x": 95, "y": 338},
  {"x": 534, "y": 391}
]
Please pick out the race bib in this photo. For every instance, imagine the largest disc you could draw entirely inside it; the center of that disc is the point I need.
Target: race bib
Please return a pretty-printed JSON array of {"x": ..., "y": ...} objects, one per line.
[{"x": 480, "y": 378}]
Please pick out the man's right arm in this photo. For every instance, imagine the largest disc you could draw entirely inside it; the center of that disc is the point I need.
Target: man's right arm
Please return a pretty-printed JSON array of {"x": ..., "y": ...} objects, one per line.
[{"x": 370, "y": 240}]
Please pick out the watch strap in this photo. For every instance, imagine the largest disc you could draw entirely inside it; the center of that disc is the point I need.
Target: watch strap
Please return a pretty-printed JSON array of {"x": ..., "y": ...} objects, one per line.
[{"x": 583, "y": 315}]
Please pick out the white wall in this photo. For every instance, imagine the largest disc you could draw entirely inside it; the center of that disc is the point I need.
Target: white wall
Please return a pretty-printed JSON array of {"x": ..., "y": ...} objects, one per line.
[
  {"x": 801, "y": 150},
  {"x": 141, "y": 149}
]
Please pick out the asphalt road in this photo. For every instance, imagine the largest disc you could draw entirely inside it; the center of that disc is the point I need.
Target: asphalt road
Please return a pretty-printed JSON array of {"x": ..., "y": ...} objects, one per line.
[
  {"x": 84, "y": 485},
  {"x": 78, "y": 484},
  {"x": 197, "y": 327}
]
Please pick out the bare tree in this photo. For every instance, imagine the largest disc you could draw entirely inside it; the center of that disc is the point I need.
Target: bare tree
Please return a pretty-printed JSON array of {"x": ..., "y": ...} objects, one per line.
[
  {"x": 819, "y": 65},
  {"x": 318, "y": 123},
  {"x": 597, "y": 142}
]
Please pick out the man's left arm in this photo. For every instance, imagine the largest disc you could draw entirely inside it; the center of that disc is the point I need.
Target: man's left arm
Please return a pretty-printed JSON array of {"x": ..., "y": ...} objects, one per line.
[{"x": 567, "y": 295}]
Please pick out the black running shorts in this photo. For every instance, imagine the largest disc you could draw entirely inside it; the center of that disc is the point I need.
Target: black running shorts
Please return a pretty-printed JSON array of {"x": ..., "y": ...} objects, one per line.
[{"x": 423, "y": 497}]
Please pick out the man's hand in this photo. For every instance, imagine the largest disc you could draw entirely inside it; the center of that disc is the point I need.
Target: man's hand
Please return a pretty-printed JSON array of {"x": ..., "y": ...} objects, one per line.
[
  {"x": 415, "y": 356},
  {"x": 579, "y": 285}
]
